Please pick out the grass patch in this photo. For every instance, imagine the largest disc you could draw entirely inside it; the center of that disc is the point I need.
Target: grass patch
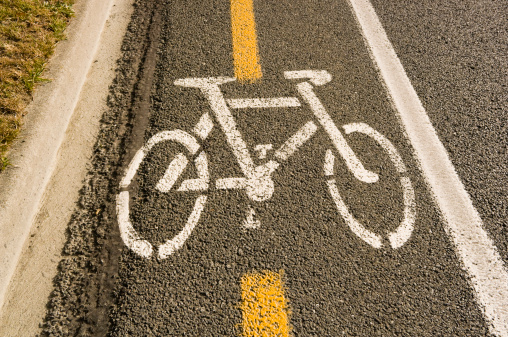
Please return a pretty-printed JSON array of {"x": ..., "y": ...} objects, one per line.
[{"x": 29, "y": 30}]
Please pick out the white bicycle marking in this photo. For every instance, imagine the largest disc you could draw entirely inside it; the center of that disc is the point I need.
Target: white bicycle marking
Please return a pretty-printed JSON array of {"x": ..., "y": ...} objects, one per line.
[
  {"x": 405, "y": 229},
  {"x": 201, "y": 183},
  {"x": 262, "y": 150},
  {"x": 297, "y": 140},
  {"x": 204, "y": 126},
  {"x": 127, "y": 232},
  {"x": 371, "y": 238},
  {"x": 250, "y": 222},
  {"x": 176, "y": 135},
  {"x": 177, "y": 242},
  {"x": 316, "y": 77},
  {"x": 335, "y": 135},
  {"x": 174, "y": 170},
  {"x": 278, "y": 102},
  {"x": 230, "y": 183},
  {"x": 257, "y": 181},
  {"x": 329, "y": 162},
  {"x": 210, "y": 88},
  {"x": 129, "y": 235}
]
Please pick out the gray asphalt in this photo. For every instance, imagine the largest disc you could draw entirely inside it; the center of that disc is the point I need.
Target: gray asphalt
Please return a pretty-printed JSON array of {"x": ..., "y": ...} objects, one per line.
[
  {"x": 456, "y": 55},
  {"x": 336, "y": 284}
]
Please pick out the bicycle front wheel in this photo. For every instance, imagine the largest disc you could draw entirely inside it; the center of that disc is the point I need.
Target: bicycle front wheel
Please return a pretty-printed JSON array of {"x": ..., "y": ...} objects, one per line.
[{"x": 402, "y": 233}]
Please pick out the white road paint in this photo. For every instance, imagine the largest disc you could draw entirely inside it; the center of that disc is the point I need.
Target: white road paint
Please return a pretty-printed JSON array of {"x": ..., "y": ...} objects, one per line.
[
  {"x": 230, "y": 183},
  {"x": 262, "y": 150},
  {"x": 405, "y": 229},
  {"x": 175, "y": 169},
  {"x": 381, "y": 140},
  {"x": 171, "y": 246},
  {"x": 201, "y": 183},
  {"x": 363, "y": 233},
  {"x": 403, "y": 232},
  {"x": 463, "y": 224},
  {"x": 277, "y": 102},
  {"x": 329, "y": 162},
  {"x": 258, "y": 182},
  {"x": 352, "y": 162},
  {"x": 250, "y": 221},
  {"x": 127, "y": 232},
  {"x": 204, "y": 126},
  {"x": 129, "y": 235},
  {"x": 178, "y": 136},
  {"x": 297, "y": 140},
  {"x": 210, "y": 88},
  {"x": 316, "y": 77}
]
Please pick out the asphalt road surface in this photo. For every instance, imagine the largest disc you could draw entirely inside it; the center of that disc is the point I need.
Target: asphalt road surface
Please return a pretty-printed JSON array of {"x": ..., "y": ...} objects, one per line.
[{"x": 288, "y": 203}]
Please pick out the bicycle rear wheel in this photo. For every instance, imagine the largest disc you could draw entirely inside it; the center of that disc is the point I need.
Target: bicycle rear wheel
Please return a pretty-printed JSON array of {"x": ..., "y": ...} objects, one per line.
[{"x": 129, "y": 235}]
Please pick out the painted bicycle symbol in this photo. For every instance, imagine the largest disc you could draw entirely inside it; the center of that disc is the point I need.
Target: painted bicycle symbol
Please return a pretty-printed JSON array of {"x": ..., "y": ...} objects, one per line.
[{"x": 257, "y": 181}]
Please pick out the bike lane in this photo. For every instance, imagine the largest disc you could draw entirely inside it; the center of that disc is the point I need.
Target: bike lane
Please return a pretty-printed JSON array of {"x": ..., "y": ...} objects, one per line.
[{"x": 330, "y": 281}]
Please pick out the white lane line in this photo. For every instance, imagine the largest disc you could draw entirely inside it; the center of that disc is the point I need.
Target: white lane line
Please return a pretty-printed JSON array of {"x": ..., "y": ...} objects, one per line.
[
  {"x": 277, "y": 102},
  {"x": 463, "y": 224}
]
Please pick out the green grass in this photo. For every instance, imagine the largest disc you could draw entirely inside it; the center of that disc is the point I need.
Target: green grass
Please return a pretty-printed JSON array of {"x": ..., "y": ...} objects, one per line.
[{"x": 29, "y": 30}]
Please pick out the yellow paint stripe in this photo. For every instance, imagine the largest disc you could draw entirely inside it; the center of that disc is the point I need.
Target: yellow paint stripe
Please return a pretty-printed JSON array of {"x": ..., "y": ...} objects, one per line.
[
  {"x": 245, "y": 46},
  {"x": 264, "y": 308}
]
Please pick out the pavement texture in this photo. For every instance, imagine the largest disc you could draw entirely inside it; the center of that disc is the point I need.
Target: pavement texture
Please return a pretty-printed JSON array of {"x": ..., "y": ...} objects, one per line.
[
  {"x": 334, "y": 283},
  {"x": 456, "y": 57}
]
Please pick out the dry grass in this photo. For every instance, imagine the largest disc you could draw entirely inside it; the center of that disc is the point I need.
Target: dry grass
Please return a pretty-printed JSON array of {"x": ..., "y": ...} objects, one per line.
[{"x": 29, "y": 30}]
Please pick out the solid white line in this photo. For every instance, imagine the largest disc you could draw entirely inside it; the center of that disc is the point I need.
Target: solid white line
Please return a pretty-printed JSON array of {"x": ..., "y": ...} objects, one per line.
[
  {"x": 278, "y": 102},
  {"x": 463, "y": 224}
]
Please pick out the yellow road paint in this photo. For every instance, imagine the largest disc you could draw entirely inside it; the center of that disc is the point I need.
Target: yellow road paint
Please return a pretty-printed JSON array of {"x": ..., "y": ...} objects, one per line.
[
  {"x": 264, "y": 308},
  {"x": 245, "y": 46}
]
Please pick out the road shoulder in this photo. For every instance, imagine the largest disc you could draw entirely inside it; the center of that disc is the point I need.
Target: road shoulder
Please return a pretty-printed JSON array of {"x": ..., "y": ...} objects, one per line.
[{"x": 51, "y": 159}]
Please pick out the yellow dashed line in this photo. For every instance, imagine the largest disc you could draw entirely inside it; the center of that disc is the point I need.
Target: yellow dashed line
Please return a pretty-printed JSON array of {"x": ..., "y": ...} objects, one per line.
[
  {"x": 245, "y": 46},
  {"x": 264, "y": 308}
]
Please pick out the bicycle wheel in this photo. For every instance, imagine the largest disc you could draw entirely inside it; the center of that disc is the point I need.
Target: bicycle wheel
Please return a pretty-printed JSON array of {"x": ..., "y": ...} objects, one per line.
[
  {"x": 177, "y": 166},
  {"x": 399, "y": 236}
]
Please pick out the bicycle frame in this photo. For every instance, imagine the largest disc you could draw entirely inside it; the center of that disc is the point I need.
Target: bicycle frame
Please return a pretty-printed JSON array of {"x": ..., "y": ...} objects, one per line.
[{"x": 258, "y": 182}]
